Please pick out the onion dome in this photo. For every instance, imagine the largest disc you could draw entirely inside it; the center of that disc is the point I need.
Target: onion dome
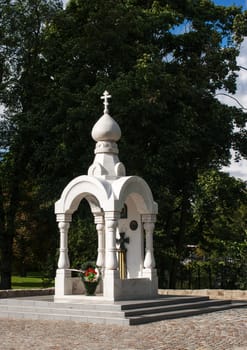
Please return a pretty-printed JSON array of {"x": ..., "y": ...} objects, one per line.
[{"x": 106, "y": 128}]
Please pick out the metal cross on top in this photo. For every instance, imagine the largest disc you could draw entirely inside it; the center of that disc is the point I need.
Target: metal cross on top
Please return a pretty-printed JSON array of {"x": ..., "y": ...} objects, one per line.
[{"x": 105, "y": 97}]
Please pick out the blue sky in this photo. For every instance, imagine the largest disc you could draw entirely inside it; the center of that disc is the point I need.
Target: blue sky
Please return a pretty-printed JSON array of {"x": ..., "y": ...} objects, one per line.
[
  {"x": 221, "y": 2},
  {"x": 242, "y": 3}
]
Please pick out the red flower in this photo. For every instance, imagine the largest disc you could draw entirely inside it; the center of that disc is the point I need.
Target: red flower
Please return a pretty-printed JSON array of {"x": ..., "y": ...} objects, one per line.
[{"x": 90, "y": 271}]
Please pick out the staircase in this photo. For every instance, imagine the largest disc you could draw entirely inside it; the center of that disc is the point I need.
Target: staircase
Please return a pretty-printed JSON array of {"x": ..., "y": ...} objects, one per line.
[
  {"x": 97, "y": 310},
  {"x": 175, "y": 307}
]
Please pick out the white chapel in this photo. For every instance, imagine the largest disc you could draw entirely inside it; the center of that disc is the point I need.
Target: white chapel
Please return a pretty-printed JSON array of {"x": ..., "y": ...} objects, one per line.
[{"x": 124, "y": 214}]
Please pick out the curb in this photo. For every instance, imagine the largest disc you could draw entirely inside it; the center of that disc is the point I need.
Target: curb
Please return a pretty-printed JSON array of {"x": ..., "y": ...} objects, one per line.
[
  {"x": 225, "y": 294},
  {"x": 14, "y": 293}
]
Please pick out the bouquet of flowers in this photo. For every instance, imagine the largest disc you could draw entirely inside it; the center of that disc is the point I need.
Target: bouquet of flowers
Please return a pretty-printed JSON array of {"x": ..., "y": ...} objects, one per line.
[{"x": 91, "y": 276}]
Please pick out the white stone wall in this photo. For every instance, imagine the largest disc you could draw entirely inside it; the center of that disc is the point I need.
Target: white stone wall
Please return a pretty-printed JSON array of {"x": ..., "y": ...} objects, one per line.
[{"x": 135, "y": 248}]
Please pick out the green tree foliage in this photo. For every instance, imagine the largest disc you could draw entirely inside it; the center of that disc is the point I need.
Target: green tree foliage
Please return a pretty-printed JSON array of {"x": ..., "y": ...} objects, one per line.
[
  {"x": 220, "y": 208},
  {"x": 21, "y": 26},
  {"x": 220, "y": 226},
  {"x": 162, "y": 61},
  {"x": 83, "y": 237}
]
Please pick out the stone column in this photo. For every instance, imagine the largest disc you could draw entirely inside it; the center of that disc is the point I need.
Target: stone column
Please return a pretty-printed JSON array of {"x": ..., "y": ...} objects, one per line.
[
  {"x": 148, "y": 224},
  {"x": 149, "y": 262},
  {"x": 63, "y": 261},
  {"x": 63, "y": 281},
  {"x": 111, "y": 283},
  {"x": 110, "y": 240},
  {"x": 100, "y": 227}
]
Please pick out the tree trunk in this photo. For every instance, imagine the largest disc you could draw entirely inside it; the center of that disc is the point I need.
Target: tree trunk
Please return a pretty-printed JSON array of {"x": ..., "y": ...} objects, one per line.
[
  {"x": 5, "y": 252},
  {"x": 6, "y": 255},
  {"x": 6, "y": 268},
  {"x": 8, "y": 226}
]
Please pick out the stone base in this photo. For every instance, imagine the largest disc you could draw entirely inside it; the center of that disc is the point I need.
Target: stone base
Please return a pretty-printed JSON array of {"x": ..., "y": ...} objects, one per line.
[
  {"x": 130, "y": 289},
  {"x": 63, "y": 283},
  {"x": 110, "y": 281},
  {"x": 112, "y": 287},
  {"x": 135, "y": 288}
]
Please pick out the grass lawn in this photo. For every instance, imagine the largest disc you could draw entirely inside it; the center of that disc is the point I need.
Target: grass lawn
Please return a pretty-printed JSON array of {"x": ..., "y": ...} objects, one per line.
[{"x": 30, "y": 282}]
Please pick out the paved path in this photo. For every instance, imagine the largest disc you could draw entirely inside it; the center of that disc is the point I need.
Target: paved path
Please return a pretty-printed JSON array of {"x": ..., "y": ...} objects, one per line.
[{"x": 217, "y": 331}]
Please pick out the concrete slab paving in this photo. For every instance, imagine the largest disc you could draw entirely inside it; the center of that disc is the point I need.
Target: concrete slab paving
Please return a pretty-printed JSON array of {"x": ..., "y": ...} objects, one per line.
[{"x": 226, "y": 330}]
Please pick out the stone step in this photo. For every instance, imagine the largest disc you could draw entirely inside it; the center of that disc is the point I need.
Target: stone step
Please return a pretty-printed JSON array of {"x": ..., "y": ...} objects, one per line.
[
  {"x": 63, "y": 317},
  {"x": 106, "y": 313},
  {"x": 161, "y": 301},
  {"x": 121, "y": 313},
  {"x": 26, "y": 302},
  {"x": 90, "y": 305},
  {"x": 147, "y": 318},
  {"x": 61, "y": 311},
  {"x": 174, "y": 307}
]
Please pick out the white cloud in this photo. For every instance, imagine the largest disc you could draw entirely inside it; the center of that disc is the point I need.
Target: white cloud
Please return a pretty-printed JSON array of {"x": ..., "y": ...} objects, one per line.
[
  {"x": 239, "y": 169},
  {"x": 241, "y": 94},
  {"x": 65, "y": 3},
  {"x": 242, "y": 79}
]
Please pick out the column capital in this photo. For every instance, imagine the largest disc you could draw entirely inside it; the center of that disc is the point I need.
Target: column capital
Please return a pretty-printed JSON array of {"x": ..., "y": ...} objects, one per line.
[
  {"x": 149, "y": 218},
  {"x": 112, "y": 215},
  {"x": 63, "y": 225},
  {"x": 149, "y": 226},
  {"x": 98, "y": 218},
  {"x": 64, "y": 217}
]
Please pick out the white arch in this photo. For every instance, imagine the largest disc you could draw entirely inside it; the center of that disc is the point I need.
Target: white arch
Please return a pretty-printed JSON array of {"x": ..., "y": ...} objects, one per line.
[
  {"x": 139, "y": 191},
  {"x": 96, "y": 191}
]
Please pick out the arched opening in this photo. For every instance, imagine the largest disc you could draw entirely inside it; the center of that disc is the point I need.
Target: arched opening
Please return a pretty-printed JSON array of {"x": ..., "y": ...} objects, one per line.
[
  {"x": 82, "y": 236},
  {"x": 82, "y": 241}
]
